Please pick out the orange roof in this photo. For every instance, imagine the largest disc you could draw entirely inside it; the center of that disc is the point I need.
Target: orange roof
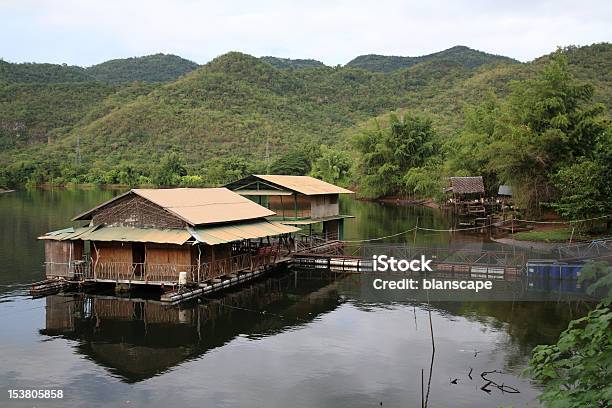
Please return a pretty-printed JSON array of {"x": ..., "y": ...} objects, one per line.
[
  {"x": 197, "y": 206},
  {"x": 304, "y": 184}
]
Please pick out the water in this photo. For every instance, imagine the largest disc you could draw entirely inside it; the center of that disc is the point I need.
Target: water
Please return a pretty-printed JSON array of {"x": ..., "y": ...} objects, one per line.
[{"x": 296, "y": 339}]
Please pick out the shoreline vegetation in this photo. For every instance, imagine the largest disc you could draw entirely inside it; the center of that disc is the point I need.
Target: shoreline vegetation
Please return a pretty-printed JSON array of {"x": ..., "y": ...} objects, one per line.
[{"x": 541, "y": 132}]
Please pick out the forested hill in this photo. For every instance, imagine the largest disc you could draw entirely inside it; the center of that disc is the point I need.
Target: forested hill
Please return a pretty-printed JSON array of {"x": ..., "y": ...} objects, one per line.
[
  {"x": 239, "y": 110},
  {"x": 41, "y": 73},
  {"x": 459, "y": 54},
  {"x": 150, "y": 68},
  {"x": 285, "y": 63}
]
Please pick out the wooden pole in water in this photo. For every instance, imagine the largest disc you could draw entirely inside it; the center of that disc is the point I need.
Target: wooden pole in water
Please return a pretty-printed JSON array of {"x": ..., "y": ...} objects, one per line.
[{"x": 422, "y": 385}]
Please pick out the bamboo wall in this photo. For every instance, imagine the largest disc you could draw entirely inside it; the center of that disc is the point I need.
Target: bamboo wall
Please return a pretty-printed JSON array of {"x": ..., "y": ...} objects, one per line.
[
  {"x": 58, "y": 255},
  {"x": 285, "y": 206},
  {"x": 161, "y": 254},
  {"x": 117, "y": 253}
]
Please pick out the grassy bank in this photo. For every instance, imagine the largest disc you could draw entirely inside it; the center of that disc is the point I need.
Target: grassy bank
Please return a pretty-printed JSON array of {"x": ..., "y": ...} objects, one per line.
[{"x": 553, "y": 235}]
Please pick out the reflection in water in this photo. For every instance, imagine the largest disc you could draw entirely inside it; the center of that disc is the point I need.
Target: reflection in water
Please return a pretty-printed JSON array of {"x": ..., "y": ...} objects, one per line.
[{"x": 139, "y": 338}]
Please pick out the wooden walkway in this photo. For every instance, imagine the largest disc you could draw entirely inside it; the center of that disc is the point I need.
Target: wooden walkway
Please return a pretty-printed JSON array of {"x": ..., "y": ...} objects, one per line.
[{"x": 358, "y": 258}]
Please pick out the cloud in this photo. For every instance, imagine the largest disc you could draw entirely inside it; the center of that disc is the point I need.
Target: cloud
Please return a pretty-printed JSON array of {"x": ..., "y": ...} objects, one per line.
[{"x": 87, "y": 32}]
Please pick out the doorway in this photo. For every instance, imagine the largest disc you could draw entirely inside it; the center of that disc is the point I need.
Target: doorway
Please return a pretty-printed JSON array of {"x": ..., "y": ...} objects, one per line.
[{"x": 138, "y": 258}]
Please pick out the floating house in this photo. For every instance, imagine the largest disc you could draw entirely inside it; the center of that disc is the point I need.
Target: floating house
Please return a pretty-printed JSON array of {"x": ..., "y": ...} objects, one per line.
[
  {"x": 300, "y": 201},
  {"x": 181, "y": 236}
]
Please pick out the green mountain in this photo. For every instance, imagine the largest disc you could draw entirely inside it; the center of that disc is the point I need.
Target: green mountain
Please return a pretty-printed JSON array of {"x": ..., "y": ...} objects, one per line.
[
  {"x": 41, "y": 73},
  {"x": 150, "y": 68},
  {"x": 239, "y": 106},
  {"x": 459, "y": 54},
  {"x": 286, "y": 63}
]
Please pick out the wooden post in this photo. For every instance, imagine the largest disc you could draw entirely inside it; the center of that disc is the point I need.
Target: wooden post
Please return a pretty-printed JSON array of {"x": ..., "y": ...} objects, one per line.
[
  {"x": 200, "y": 261},
  {"x": 422, "y": 392}
]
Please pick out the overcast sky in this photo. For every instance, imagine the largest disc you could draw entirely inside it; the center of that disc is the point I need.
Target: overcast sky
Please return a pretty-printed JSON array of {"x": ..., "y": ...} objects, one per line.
[{"x": 86, "y": 32}]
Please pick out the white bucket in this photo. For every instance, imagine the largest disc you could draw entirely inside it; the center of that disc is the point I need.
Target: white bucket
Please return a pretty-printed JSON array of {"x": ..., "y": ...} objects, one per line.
[{"x": 182, "y": 278}]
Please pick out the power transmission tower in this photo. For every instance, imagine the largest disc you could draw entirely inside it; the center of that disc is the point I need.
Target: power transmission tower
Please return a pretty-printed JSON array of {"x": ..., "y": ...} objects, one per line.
[{"x": 78, "y": 150}]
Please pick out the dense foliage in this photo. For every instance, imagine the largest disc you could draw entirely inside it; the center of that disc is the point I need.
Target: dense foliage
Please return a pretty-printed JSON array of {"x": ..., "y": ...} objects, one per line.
[
  {"x": 547, "y": 139},
  {"x": 459, "y": 54},
  {"x": 150, "y": 68},
  {"x": 41, "y": 73},
  {"x": 387, "y": 154},
  {"x": 288, "y": 63}
]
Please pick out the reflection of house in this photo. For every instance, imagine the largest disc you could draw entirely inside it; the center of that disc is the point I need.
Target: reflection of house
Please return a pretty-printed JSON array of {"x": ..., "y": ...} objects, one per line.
[
  {"x": 131, "y": 337},
  {"x": 467, "y": 195},
  {"x": 297, "y": 200},
  {"x": 153, "y": 236}
]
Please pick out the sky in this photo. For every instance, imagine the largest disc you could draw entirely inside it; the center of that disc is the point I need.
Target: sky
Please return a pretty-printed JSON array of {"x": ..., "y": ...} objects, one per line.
[{"x": 87, "y": 32}]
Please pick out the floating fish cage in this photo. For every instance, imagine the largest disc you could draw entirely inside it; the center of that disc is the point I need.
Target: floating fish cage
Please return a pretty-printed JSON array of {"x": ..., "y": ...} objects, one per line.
[{"x": 553, "y": 269}]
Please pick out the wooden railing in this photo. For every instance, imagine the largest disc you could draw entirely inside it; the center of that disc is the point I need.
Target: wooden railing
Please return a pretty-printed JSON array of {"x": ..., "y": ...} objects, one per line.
[
  {"x": 71, "y": 269},
  {"x": 306, "y": 242},
  {"x": 243, "y": 262},
  {"x": 125, "y": 271},
  {"x": 139, "y": 271}
]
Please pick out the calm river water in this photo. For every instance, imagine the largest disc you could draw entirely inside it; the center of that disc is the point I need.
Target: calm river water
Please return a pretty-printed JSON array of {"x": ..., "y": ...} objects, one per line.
[{"x": 296, "y": 339}]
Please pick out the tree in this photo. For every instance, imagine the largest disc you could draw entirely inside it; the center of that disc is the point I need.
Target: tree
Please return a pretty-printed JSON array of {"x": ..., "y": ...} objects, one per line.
[
  {"x": 532, "y": 138},
  {"x": 468, "y": 154},
  {"x": 576, "y": 370},
  {"x": 425, "y": 181},
  {"x": 332, "y": 166},
  {"x": 585, "y": 189},
  {"x": 295, "y": 162},
  {"x": 548, "y": 122},
  {"x": 169, "y": 171},
  {"x": 582, "y": 188},
  {"x": 223, "y": 170},
  {"x": 386, "y": 154}
]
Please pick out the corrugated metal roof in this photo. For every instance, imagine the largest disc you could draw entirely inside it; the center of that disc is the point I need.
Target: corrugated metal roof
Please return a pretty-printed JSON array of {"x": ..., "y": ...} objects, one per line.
[
  {"x": 197, "y": 206},
  {"x": 505, "y": 190},
  {"x": 237, "y": 232},
  {"x": 129, "y": 234},
  {"x": 304, "y": 184},
  {"x": 67, "y": 233}
]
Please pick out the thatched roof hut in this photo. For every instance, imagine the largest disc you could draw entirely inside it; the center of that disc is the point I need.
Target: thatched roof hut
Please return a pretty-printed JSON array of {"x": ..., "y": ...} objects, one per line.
[{"x": 466, "y": 185}]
